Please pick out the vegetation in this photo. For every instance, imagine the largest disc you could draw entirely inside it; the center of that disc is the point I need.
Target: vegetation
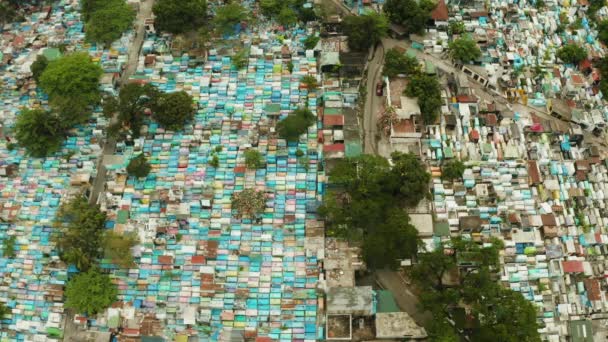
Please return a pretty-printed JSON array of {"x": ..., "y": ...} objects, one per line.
[
  {"x": 90, "y": 292},
  {"x": 395, "y": 63},
  {"x": 602, "y": 28},
  {"x": 411, "y": 14},
  {"x": 39, "y": 132},
  {"x": 139, "y": 166},
  {"x": 498, "y": 313},
  {"x": 603, "y": 67},
  {"x": 4, "y": 311},
  {"x": 72, "y": 84},
  {"x": 228, "y": 16},
  {"x": 428, "y": 91},
  {"x": 572, "y": 53},
  {"x": 456, "y": 27},
  {"x": 365, "y": 31},
  {"x": 38, "y": 67},
  {"x": 118, "y": 248},
  {"x": 179, "y": 16},
  {"x": 240, "y": 59},
  {"x": 79, "y": 235},
  {"x": 173, "y": 110},
  {"x": 464, "y": 50},
  {"x": 131, "y": 106},
  {"x": 8, "y": 248},
  {"x": 310, "y": 82},
  {"x": 287, "y": 12},
  {"x": 310, "y": 42},
  {"x": 215, "y": 161},
  {"x": 452, "y": 169},
  {"x": 295, "y": 124},
  {"x": 248, "y": 203},
  {"x": 253, "y": 159},
  {"x": 107, "y": 23},
  {"x": 366, "y": 207},
  {"x": 386, "y": 120}
]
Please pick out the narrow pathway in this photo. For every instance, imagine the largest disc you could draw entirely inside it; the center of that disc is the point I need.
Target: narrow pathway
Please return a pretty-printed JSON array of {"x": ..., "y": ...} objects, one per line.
[
  {"x": 406, "y": 300},
  {"x": 373, "y": 102}
]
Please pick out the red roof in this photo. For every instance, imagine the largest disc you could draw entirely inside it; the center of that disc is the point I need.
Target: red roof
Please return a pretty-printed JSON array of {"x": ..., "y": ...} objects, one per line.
[
  {"x": 466, "y": 99},
  {"x": 584, "y": 64},
  {"x": 572, "y": 266},
  {"x": 333, "y": 148},
  {"x": 474, "y": 135},
  {"x": 593, "y": 289},
  {"x": 165, "y": 260},
  {"x": 240, "y": 169},
  {"x": 333, "y": 120},
  {"x": 263, "y": 339},
  {"x": 440, "y": 12},
  {"x": 198, "y": 260}
]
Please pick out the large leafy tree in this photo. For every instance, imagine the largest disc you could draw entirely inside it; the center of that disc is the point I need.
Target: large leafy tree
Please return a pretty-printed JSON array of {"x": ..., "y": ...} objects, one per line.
[
  {"x": 107, "y": 24},
  {"x": 131, "y": 105},
  {"x": 173, "y": 110},
  {"x": 295, "y": 124},
  {"x": 4, "y": 311},
  {"x": 179, "y": 16},
  {"x": 411, "y": 14},
  {"x": 409, "y": 180},
  {"x": 118, "y": 248},
  {"x": 572, "y": 53},
  {"x": 395, "y": 63},
  {"x": 452, "y": 169},
  {"x": 428, "y": 91},
  {"x": 139, "y": 166},
  {"x": 253, "y": 159},
  {"x": 39, "y": 132},
  {"x": 365, "y": 31},
  {"x": 72, "y": 83},
  {"x": 79, "y": 235},
  {"x": 228, "y": 16},
  {"x": 90, "y": 292},
  {"x": 464, "y": 50},
  {"x": 38, "y": 67},
  {"x": 248, "y": 203}
]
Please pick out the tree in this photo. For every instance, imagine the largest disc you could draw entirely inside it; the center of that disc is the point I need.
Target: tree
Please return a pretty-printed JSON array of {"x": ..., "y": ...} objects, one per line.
[
  {"x": 410, "y": 179},
  {"x": 390, "y": 241},
  {"x": 395, "y": 63},
  {"x": 72, "y": 84},
  {"x": 109, "y": 22},
  {"x": 287, "y": 16},
  {"x": 139, "y": 166},
  {"x": 602, "y": 28},
  {"x": 8, "y": 248},
  {"x": 439, "y": 330},
  {"x": 431, "y": 269},
  {"x": 39, "y": 132},
  {"x": 37, "y": 68},
  {"x": 428, "y": 91},
  {"x": 365, "y": 31},
  {"x": 464, "y": 50},
  {"x": 132, "y": 102},
  {"x": 248, "y": 203},
  {"x": 456, "y": 27},
  {"x": 4, "y": 311},
  {"x": 79, "y": 232},
  {"x": 452, "y": 169},
  {"x": 118, "y": 248},
  {"x": 310, "y": 82},
  {"x": 295, "y": 124},
  {"x": 173, "y": 110},
  {"x": 88, "y": 7},
  {"x": 240, "y": 59},
  {"x": 179, "y": 16},
  {"x": 572, "y": 53},
  {"x": 228, "y": 16},
  {"x": 271, "y": 8},
  {"x": 90, "y": 292},
  {"x": 410, "y": 14},
  {"x": 310, "y": 42},
  {"x": 253, "y": 159}
]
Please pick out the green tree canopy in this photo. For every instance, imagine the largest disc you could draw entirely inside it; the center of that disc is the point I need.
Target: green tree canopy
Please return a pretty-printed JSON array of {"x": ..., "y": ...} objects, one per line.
[
  {"x": 409, "y": 178},
  {"x": 452, "y": 169},
  {"x": 464, "y": 50},
  {"x": 310, "y": 42},
  {"x": 310, "y": 82},
  {"x": 395, "y": 63},
  {"x": 296, "y": 124},
  {"x": 456, "y": 27},
  {"x": 253, "y": 159},
  {"x": 240, "y": 59},
  {"x": 179, "y": 16},
  {"x": 173, "y": 110},
  {"x": 428, "y": 91},
  {"x": 131, "y": 104},
  {"x": 4, "y": 311},
  {"x": 79, "y": 233},
  {"x": 90, "y": 292},
  {"x": 72, "y": 83},
  {"x": 39, "y": 132},
  {"x": 365, "y": 31},
  {"x": 411, "y": 14},
  {"x": 118, "y": 248},
  {"x": 139, "y": 166},
  {"x": 572, "y": 53},
  {"x": 107, "y": 23},
  {"x": 38, "y": 67},
  {"x": 287, "y": 16},
  {"x": 228, "y": 16},
  {"x": 248, "y": 203}
]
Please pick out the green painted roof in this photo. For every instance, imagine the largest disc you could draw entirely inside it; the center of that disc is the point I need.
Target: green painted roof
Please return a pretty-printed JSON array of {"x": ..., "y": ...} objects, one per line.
[
  {"x": 441, "y": 229},
  {"x": 272, "y": 108},
  {"x": 353, "y": 149},
  {"x": 122, "y": 217},
  {"x": 430, "y": 68},
  {"x": 581, "y": 331},
  {"x": 332, "y": 111},
  {"x": 386, "y": 302},
  {"x": 51, "y": 54}
]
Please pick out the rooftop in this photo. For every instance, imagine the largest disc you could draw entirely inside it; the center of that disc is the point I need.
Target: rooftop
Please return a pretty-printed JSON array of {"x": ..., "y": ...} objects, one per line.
[{"x": 350, "y": 300}]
